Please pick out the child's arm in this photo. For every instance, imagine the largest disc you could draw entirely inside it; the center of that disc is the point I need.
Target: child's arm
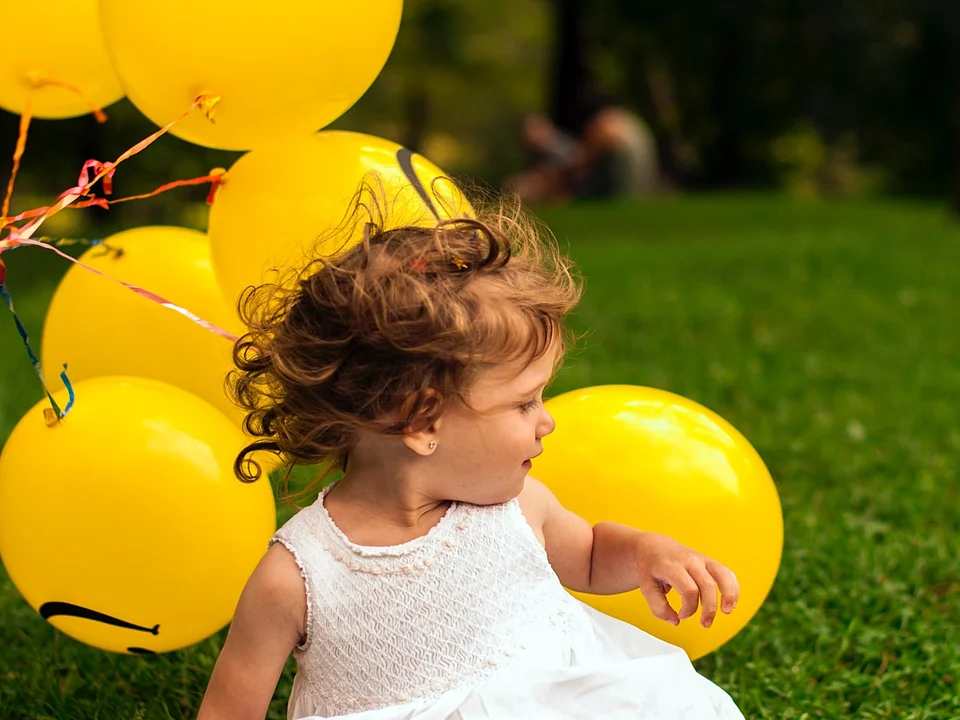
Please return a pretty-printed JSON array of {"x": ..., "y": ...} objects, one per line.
[
  {"x": 267, "y": 625},
  {"x": 610, "y": 558}
]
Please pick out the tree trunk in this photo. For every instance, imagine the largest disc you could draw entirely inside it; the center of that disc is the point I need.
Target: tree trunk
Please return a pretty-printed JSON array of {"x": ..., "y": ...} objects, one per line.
[
  {"x": 954, "y": 77},
  {"x": 569, "y": 71},
  {"x": 727, "y": 154}
]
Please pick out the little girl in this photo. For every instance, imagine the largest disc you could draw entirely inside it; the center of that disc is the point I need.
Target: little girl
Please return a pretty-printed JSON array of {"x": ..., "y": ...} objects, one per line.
[{"x": 428, "y": 582}]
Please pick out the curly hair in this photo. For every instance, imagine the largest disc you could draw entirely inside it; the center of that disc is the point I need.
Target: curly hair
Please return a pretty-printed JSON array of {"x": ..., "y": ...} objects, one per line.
[{"x": 383, "y": 335}]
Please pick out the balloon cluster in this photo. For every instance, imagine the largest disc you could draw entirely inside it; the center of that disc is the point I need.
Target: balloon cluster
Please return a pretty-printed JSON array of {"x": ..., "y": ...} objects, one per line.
[{"x": 120, "y": 520}]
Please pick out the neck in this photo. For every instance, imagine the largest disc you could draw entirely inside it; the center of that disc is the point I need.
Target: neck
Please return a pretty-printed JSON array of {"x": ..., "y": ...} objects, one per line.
[{"x": 389, "y": 494}]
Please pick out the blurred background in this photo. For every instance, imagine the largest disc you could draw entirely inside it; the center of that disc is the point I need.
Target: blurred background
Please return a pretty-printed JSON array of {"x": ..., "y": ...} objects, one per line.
[
  {"x": 761, "y": 195},
  {"x": 815, "y": 98}
]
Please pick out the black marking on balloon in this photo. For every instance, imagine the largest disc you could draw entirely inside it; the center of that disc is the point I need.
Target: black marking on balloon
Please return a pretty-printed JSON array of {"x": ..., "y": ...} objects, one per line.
[
  {"x": 54, "y": 609},
  {"x": 140, "y": 651},
  {"x": 405, "y": 161}
]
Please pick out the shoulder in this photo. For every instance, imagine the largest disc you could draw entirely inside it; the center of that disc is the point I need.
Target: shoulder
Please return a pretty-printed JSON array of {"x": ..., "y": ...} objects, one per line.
[
  {"x": 535, "y": 498},
  {"x": 284, "y": 574},
  {"x": 273, "y": 602},
  {"x": 278, "y": 582},
  {"x": 536, "y": 503}
]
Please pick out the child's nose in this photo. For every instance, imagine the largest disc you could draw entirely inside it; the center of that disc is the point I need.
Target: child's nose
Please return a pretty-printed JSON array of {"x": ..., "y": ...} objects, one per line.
[{"x": 546, "y": 424}]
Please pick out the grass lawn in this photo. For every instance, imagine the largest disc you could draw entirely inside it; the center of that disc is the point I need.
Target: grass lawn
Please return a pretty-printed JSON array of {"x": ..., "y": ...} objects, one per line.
[{"x": 825, "y": 333}]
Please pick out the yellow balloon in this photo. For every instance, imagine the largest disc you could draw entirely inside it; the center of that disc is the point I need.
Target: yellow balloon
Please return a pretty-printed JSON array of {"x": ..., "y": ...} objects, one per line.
[
  {"x": 99, "y": 328},
  {"x": 278, "y": 201},
  {"x": 54, "y": 41},
  {"x": 287, "y": 67},
  {"x": 123, "y": 525},
  {"x": 662, "y": 463}
]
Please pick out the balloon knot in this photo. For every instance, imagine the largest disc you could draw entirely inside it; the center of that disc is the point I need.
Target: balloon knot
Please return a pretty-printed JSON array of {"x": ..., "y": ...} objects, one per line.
[
  {"x": 218, "y": 176},
  {"x": 36, "y": 78},
  {"x": 208, "y": 104}
]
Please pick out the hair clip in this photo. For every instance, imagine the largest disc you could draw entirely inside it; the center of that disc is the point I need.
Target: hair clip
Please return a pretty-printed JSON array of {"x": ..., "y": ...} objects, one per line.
[
  {"x": 460, "y": 264},
  {"x": 418, "y": 264}
]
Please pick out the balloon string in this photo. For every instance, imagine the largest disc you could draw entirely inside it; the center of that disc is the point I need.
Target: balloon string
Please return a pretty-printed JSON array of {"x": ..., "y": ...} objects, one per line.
[
  {"x": 104, "y": 171},
  {"x": 139, "y": 290},
  {"x": 216, "y": 178},
  {"x": 63, "y": 242},
  {"x": 20, "y": 236},
  {"x": 39, "y": 79},
  {"x": 52, "y": 414},
  {"x": 18, "y": 151}
]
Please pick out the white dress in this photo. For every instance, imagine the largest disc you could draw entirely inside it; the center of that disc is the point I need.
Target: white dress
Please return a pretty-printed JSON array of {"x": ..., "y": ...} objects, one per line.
[{"x": 469, "y": 622}]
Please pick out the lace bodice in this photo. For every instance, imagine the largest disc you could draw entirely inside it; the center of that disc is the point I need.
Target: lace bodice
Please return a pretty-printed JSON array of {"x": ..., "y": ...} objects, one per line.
[{"x": 387, "y": 625}]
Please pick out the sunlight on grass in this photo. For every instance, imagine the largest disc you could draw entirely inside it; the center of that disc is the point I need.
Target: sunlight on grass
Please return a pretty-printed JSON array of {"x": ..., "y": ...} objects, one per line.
[{"x": 825, "y": 333}]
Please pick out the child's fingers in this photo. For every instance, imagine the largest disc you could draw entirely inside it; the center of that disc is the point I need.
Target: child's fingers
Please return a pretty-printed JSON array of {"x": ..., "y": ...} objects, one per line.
[
  {"x": 656, "y": 597},
  {"x": 728, "y": 584},
  {"x": 708, "y": 592},
  {"x": 689, "y": 591}
]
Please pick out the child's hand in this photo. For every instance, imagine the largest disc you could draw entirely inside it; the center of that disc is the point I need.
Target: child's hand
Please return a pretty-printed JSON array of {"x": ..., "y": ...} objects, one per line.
[{"x": 664, "y": 563}]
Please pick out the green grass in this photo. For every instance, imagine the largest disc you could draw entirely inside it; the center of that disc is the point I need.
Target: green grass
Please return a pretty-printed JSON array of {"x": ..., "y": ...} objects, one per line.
[{"x": 825, "y": 333}]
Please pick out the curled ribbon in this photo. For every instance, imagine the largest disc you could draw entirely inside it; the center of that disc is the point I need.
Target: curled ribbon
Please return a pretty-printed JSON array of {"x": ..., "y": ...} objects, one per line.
[{"x": 92, "y": 172}]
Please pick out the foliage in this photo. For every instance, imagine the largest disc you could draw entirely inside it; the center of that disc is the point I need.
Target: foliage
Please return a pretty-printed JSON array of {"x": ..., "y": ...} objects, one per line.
[
  {"x": 743, "y": 74},
  {"x": 721, "y": 84}
]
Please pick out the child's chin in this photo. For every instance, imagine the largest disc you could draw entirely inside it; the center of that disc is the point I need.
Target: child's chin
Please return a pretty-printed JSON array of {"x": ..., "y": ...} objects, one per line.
[{"x": 501, "y": 494}]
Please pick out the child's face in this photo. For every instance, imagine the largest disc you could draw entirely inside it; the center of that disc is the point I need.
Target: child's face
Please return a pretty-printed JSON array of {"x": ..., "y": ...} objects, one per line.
[{"x": 483, "y": 451}]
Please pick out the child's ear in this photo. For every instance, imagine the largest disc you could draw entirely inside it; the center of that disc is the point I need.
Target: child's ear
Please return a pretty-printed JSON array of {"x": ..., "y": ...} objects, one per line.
[
  {"x": 421, "y": 412},
  {"x": 423, "y": 442}
]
